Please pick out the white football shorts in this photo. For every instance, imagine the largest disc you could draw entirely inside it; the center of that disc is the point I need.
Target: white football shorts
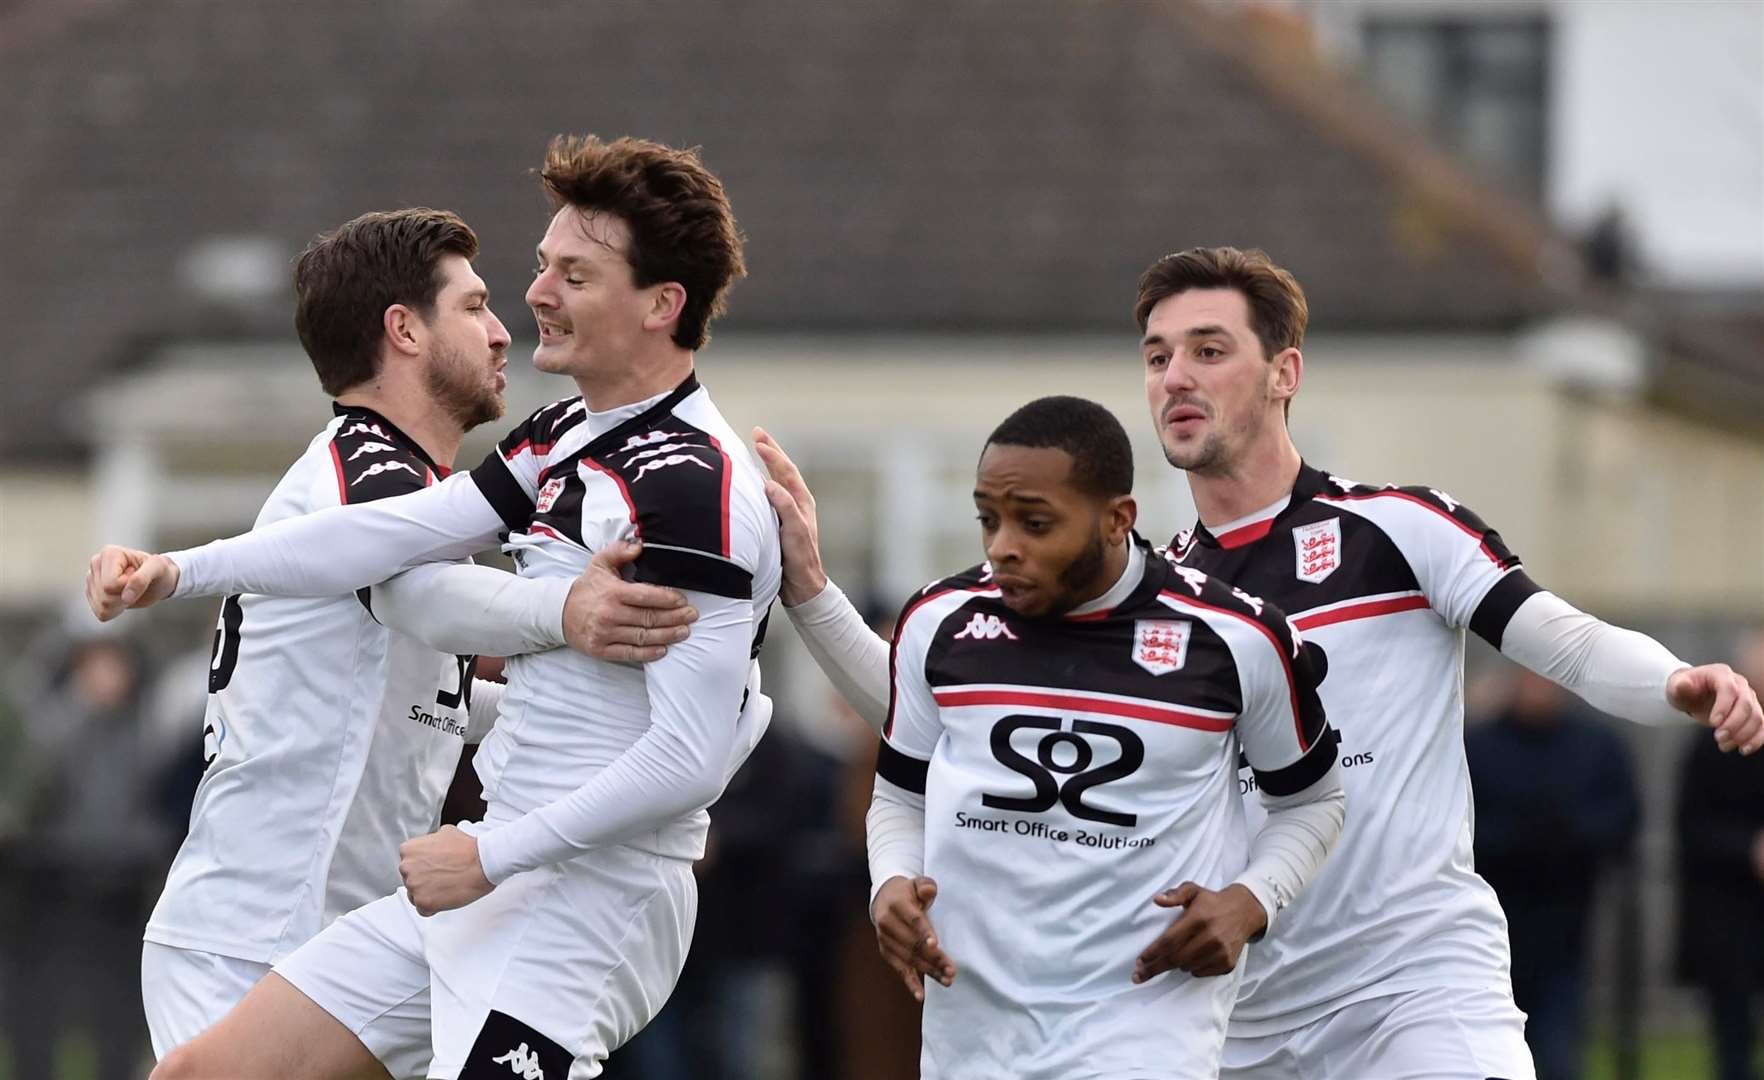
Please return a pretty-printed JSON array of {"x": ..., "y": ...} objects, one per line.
[
  {"x": 184, "y": 992},
  {"x": 545, "y": 976},
  {"x": 1441, "y": 1033}
]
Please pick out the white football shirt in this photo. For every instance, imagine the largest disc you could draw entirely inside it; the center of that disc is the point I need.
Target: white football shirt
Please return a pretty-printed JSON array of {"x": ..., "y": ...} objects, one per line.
[
  {"x": 586, "y": 752},
  {"x": 1070, "y": 769},
  {"x": 329, "y": 740},
  {"x": 1384, "y": 580}
]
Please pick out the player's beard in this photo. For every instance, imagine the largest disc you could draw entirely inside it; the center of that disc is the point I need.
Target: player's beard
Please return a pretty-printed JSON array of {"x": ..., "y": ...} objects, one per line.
[
  {"x": 1080, "y": 577},
  {"x": 466, "y": 390},
  {"x": 1216, "y": 454}
]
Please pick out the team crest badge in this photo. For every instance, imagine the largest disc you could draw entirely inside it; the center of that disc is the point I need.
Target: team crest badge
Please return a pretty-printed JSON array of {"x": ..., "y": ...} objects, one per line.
[
  {"x": 1160, "y": 646},
  {"x": 1317, "y": 547},
  {"x": 548, "y": 494}
]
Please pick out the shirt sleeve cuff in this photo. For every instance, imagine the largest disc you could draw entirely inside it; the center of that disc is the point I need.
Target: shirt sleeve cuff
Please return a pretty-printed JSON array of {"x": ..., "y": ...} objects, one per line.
[
  {"x": 492, "y": 858},
  {"x": 186, "y": 562},
  {"x": 1266, "y": 893},
  {"x": 826, "y": 604}
]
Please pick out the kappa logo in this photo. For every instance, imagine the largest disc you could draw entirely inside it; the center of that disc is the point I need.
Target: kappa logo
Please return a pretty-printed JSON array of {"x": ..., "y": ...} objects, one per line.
[
  {"x": 658, "y": 451},
  {"x": 548, "y": 494},
  {"x": 986, "y": 628},
  {"x": 361, "y": 428},
  {"x": 523, "y": 1062},
  {"x": 638, "y": 442},
  {"x": 1196, "y": 579},
  {"x": 658, "y": 464},
  {"x": 379, "y": 467},
  {"x": 1451, "y": 504},
  {"x": 1160, "y": 646},
  {"x": 372, "y": 448},
  {"x": 1254, "y": 602},
  {"x": 1317, "y": 549}
]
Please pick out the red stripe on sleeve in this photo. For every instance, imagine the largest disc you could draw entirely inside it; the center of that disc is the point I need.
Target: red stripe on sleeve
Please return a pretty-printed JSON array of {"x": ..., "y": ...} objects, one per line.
[
  {"x": 728, "y": 474},
  {"x": 1369, "y": 609},
  {"x": 1461, "y": 527},
  {"x": 1298, "y": 724},
  {"x": 624, "y": 493},
  {"x": 342, "y": 488}
]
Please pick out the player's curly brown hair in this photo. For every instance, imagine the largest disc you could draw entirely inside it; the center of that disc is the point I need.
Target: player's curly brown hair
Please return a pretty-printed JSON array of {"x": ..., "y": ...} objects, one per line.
[
  {"x": 1278, "y": 310},
  {"x": 346, "y": 279},
  {"x": 682, "y": 228}
]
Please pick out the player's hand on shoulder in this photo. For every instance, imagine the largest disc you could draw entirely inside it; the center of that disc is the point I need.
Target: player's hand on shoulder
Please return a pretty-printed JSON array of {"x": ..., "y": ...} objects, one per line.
[
  {"x": 120, "y": 578},
  {"x": 1717, "y": 695},
  {"x": 1207, "y": 938},
  {"x": 608, "y": 617},
  {"x": 441, "y": 871},
  {"x": 799, "y": 531},
  {"x": 905, "y": 936}
]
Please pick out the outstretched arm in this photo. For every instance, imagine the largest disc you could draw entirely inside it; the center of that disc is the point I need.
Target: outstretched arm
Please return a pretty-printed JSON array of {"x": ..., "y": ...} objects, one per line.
[
  {"x": 463, "y": 608},
  {"x": 852, "y": 656},
  {"x": 327, "y": 553},
  {"x": 1629, "y": 674}
]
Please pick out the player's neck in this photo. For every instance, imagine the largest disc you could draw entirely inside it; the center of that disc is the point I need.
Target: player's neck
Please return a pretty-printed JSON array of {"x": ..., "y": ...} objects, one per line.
[
  {"x": 1261, "y": 476},
  {"x": 641, "y": 378},
  {"x": 416, "y": 414},
  {"x": 1120, "y": 562}
]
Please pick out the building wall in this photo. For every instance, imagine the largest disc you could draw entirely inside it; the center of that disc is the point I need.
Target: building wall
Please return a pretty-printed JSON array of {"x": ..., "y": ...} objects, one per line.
[
  {"x": 1653, "y": 108},
  {"x": 1621, "y": 506}
]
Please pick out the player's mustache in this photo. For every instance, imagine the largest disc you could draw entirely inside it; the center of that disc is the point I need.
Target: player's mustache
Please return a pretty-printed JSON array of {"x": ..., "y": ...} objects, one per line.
[{"x": 1177, "y": 403}]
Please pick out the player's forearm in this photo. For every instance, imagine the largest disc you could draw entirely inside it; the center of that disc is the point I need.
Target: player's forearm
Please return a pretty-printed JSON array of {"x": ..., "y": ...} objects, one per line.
[
  {"x": 1617, "y": 671},
  {"x": 848, "y": 652},
  {"x": 462, "y": 608},
  {"x": 678, "y": 765},
  {"x": 1292, "y": 844},
  {"x": 894, "y": 835},
  {"x": 335, "y": 551},
  {"x": 486, "y": 705}
]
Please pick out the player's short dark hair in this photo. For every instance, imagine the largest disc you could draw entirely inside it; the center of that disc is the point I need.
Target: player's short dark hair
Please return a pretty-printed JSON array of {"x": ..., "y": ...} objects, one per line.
[
  {"x": 1102, "y": 455},
  {"x": 346, "y": 279},
  {"x": 1278, "y": 310},
  {"x": 682, "y": 228}
]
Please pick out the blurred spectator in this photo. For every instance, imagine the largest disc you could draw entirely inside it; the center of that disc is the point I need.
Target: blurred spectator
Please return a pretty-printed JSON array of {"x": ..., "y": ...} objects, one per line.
[
  {"x": 1555, "y": 803},
  {"x": 754, "y": 999},
  {"x": 1721, "y": 867},
  {"x": 85, "y": 836}
]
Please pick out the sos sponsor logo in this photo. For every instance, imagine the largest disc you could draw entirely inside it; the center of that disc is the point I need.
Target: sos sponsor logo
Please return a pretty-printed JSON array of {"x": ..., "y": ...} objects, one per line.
[{"x": 1066, "y": 762}]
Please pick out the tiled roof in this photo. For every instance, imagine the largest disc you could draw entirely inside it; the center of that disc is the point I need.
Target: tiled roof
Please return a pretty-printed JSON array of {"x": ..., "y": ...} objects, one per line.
[{"x": 915, "y": 164}]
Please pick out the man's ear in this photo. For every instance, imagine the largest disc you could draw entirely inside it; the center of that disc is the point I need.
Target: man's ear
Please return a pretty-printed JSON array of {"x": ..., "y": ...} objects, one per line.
[
  {"x": 1120, "y": 517},
  {"x": 665, "y": 310},
  {"x": 1289, "y": 371},
  {"x": 403, "y": 329}
]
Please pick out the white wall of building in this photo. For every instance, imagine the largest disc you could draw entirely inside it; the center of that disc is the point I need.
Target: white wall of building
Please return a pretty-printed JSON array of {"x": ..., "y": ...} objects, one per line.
[{"x": 1656, "y": 107}]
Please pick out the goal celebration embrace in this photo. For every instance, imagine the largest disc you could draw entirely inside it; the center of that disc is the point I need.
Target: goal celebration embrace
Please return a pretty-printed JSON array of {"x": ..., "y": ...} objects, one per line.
[{"x": 1142, "y": 807}]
